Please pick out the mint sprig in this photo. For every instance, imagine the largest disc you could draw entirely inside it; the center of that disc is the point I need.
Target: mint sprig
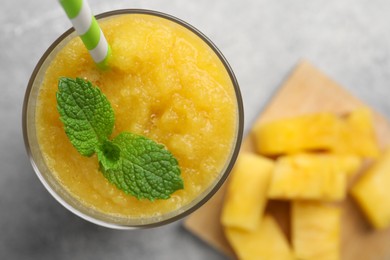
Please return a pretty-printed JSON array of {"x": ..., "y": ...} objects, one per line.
[{"x": 134, "y": 164}]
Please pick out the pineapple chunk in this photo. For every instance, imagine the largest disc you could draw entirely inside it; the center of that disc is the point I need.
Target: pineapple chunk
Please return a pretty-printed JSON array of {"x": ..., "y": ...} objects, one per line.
[
  {"x": 357, "y": 135},
  {"x": 349, "y": 164},
  {"x": 247, "y": 191},
  {"x": 312, "y": 176},
  {"x": 302, "y": 133},
  {"x": 315, "y": 230},
  {"x": 323, "y": 131},
  {"x": 266, "y": 242},
  {"x": 372, "y": 192}
]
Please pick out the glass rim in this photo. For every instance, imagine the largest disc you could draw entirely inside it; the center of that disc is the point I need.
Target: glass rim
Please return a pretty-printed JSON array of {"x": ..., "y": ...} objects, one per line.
[{"x": 223, "y": 175}]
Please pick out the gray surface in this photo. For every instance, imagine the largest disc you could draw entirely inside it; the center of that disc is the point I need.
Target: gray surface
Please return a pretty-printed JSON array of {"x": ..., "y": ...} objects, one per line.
[{"x": 262, "y": 39}]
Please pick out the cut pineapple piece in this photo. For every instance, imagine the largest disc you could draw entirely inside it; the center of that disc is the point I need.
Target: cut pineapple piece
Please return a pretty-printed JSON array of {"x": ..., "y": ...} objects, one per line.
[
  {"x": 357, "y": 135},
  {"x": 323, "y": 131},
  {"x": 312, "y": 176},
  {"x": 372, "y": 192},
  {"x": 350, "y": 164},
  {"x": 247, "y": 191},
  {"x": 266, "y": 242},
  {"x": 302, "y": 133},
  {"x": 315, "y": 231}
]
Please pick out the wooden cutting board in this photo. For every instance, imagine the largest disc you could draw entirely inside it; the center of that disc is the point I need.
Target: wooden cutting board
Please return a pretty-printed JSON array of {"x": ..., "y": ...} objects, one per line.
[{"x": 306, "y": 90}]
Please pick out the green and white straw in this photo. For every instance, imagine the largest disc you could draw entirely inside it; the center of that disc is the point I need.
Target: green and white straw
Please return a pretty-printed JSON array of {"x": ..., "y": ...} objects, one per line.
[{"x": 85, "y": 24}]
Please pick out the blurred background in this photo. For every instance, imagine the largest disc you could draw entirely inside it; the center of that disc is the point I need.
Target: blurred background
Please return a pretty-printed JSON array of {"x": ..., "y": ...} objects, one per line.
[{"x": 262, "y": 40}]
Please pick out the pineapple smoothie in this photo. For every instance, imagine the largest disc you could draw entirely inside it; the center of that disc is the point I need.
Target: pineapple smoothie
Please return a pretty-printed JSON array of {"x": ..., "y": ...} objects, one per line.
[{"x": 163, "y": 82}]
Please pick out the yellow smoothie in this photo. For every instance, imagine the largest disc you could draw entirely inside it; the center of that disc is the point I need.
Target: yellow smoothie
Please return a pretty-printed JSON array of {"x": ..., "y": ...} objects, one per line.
[{"x": 163, "y": 82}]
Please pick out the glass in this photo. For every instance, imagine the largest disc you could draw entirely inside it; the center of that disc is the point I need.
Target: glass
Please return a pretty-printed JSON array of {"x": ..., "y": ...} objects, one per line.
[{"x": 60, "y": 193}]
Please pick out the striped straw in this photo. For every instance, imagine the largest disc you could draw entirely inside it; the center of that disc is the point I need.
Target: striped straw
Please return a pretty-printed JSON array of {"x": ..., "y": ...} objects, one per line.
[{"x": 85, "y": 24}]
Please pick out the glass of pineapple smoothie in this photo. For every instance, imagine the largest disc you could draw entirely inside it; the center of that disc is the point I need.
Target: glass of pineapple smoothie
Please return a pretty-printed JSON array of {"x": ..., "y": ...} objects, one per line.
[{"x": 166, "y": 81}]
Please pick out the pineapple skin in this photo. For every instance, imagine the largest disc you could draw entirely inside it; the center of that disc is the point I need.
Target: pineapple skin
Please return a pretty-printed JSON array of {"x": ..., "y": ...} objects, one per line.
[
  {"x": 315, "y": 230},
  {"x": 267, "y": 242},
  {"x": 246, "y": 194},
  {"x": 372, "y": 192},
  {"x": 312, "y": 176}
]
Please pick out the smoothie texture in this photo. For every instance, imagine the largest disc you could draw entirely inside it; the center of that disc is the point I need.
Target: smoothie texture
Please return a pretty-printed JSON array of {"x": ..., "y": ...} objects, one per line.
[{"x": 163, "y": 82}]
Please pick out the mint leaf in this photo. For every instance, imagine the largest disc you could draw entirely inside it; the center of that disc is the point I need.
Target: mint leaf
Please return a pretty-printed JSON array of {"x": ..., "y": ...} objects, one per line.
[
  {"x": 135, "y": 164},
  {"x": 86, "y": 113},
  {"x": 145, "y": 169}
]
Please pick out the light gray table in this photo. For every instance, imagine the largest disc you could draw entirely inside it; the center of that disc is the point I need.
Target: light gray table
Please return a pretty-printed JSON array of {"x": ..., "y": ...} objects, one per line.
[{"x": 262, "y": 39}]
